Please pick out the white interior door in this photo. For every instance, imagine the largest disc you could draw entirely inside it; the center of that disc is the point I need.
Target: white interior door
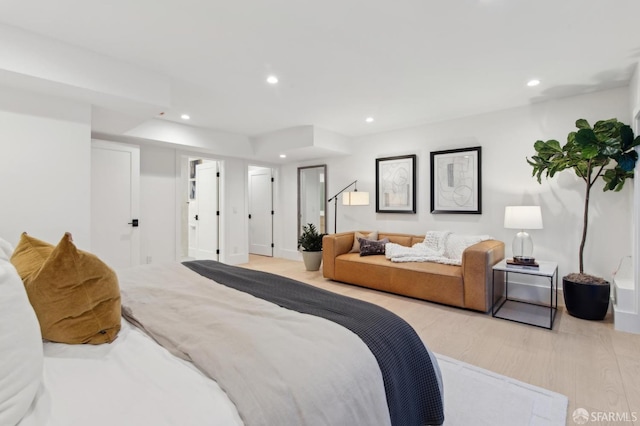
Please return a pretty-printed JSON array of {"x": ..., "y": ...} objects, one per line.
[
  {"x": 207, "y": 211},
  {"x": 115, "y": 203},
  {"x": 260, "y": 212}
]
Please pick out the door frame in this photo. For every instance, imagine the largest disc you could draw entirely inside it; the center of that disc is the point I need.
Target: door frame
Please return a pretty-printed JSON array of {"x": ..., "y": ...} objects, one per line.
[{"x": 181, "y": 193}]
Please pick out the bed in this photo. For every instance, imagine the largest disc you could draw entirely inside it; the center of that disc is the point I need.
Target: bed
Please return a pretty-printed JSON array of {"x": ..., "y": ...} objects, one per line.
[{"x": 204, "y": 343}]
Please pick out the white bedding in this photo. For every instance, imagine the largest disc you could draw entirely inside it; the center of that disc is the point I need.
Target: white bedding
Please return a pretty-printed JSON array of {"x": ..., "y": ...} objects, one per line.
[
  {"x": 132, "y": 381},
  {"x": 279, "y": 366}
]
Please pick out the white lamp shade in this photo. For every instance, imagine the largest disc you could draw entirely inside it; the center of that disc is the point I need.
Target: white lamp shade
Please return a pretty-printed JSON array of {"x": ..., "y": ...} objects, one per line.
[
  {"x": 522, "y": 217},
  {"x": 355, "y": 198}
]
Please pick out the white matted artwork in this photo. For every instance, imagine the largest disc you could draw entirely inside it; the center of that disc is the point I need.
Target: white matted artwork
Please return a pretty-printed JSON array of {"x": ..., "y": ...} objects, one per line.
[
  {"x": 456, "y": 181},
  {"x": 396, "y": 184}
]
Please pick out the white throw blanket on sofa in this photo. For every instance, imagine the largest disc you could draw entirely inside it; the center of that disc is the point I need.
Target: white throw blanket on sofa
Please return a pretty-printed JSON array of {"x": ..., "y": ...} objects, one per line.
[{"x": 438, "y": 246}]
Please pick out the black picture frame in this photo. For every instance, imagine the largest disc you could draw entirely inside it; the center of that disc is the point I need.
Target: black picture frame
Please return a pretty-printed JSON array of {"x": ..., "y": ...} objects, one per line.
[
  {"x": 456, "y": 181},
  {"x": 396, "y": 184}
]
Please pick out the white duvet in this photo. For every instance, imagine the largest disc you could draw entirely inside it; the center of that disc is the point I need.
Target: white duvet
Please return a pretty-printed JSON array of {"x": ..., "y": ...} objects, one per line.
[
  {"x": 130, "y": 382},
  {"x": 278, "y": 366}
]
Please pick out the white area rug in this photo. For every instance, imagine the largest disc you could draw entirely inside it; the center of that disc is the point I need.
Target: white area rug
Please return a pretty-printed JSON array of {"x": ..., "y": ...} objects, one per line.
[{"x": 475, "y": 396}]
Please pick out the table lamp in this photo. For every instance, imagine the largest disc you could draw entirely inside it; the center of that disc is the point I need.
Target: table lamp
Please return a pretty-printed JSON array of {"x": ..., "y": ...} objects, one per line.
[{"x": 522, "y": 217}]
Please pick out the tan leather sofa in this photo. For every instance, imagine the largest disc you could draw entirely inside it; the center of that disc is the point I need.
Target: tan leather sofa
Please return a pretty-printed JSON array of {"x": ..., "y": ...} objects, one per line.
[{"x": 466, "y": 286}]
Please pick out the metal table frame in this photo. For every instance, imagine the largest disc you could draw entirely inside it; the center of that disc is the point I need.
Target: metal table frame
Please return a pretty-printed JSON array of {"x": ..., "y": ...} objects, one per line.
[{"x": 546, "y": 270}]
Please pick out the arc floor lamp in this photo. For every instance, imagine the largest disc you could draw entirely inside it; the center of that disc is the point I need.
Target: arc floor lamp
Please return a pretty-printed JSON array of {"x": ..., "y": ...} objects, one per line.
[{"x": 354, "y": 198}]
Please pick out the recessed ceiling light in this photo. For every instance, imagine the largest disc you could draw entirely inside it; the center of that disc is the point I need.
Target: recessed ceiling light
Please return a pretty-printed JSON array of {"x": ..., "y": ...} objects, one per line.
[
  {"x": 532, "y": 83},
  {"x": 369, "y": 119},
  {"x": 185, "y": 116},
  {"x": 272, "y": 79},
  {"x": 283, "y": 155}
]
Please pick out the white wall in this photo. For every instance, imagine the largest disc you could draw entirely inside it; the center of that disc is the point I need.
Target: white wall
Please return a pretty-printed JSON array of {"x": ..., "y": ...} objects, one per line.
[
  {"x": 45, "y": 169},
  {"x": 45, "y": 160},
  {"x": 286, "y": 211},
  {"x": 157, "y": 204},
  {"x": 161, "y": 210},
  {"x": 627, "y": 312},
  {"x": 507, "y": 138},
  {"x": 235, "y": 213}
]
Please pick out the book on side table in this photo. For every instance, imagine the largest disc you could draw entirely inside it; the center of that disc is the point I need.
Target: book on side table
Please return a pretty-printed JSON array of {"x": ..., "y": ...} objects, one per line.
[{"x": 511, "y": 263}]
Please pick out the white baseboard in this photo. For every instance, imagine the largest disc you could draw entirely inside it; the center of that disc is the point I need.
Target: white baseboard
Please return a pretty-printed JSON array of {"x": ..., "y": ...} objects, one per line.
[
  {"x": 236, "y": 259},
  {"x": 289, "y": 254},
  {"x": 626, "y": 321}
]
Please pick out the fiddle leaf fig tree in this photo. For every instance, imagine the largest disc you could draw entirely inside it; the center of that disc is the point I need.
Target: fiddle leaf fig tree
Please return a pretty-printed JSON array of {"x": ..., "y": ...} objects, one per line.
[{"x": 605, "y": 150}]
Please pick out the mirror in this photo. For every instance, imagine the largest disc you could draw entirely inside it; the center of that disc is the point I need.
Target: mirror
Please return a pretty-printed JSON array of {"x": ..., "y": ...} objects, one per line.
[{"x": 312, "y": 198}]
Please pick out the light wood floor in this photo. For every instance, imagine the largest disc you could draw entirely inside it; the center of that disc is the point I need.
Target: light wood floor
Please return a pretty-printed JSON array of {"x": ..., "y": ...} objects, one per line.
[{"x": 596, "y": 367}]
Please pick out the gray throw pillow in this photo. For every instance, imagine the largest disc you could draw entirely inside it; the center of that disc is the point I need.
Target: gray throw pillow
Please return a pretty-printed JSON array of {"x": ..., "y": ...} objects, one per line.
[{"x": 371, "y": 247}]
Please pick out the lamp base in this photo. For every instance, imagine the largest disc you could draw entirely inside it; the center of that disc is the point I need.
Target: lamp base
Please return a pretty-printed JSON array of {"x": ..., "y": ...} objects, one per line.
[{"x": 522, "y": 246}]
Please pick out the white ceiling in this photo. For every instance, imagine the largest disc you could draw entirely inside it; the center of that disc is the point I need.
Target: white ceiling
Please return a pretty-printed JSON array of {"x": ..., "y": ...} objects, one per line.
[{"x": 404, "y": 62}]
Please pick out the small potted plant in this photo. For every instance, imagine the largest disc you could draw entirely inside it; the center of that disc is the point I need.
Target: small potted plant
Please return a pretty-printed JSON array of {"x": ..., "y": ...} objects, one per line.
[
  {"x": 311, "y": 243},
  {"x": 607, "y": 151}
]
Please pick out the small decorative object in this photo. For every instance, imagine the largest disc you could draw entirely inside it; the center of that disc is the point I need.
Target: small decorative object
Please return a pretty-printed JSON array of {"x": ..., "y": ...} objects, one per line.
[
  {"x": 311, "y": 243},
  {"x": 396, "y": 184},
  {"x": 523, "y": 217},
  {"x": 353, "y": 198},
  {"x": 607, "y": 151},
  {"x": 456, "y": 185}
]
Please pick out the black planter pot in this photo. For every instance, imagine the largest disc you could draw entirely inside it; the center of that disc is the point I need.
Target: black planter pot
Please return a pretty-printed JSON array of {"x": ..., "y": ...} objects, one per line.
[{"x": 585, "y": 300}]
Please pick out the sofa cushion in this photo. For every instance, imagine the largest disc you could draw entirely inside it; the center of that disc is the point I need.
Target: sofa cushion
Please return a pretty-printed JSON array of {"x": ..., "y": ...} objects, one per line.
[
  {"x": 402, "y": 239},
  {"x": 423, "y": 280}
]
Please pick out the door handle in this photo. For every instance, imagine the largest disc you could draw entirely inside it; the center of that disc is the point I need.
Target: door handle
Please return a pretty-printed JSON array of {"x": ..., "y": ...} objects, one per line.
[
  {"x": 196, "y": 217},
  {"x": 133, "y": 223}
]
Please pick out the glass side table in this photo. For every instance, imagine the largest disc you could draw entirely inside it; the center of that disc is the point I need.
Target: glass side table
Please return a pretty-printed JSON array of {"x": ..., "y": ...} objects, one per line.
[{"x": 523, "y": 311}]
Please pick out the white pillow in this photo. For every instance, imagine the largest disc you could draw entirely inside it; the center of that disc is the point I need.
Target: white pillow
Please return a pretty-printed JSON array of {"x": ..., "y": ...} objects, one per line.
[
  {"x": 21, "y": 353},
  {"x": 6, "y": 249}
]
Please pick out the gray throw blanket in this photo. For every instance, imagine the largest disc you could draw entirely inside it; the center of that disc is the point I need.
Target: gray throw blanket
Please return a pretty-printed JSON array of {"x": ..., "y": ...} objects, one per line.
[
  {"x": 278, "y": 366},
  {"x": 411, "y": 375}
]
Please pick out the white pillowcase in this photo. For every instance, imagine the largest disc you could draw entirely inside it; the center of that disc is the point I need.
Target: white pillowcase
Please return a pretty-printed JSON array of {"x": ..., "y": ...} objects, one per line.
[
  {"x": 6, "y": 249},
  {"x": 21, "y": 353}
]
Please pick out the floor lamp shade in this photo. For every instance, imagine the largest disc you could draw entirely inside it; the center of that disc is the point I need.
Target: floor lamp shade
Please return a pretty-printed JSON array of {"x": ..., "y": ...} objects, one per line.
[
  {"x": 522, "y": 217},
  {"x": 355, "y": 198}
]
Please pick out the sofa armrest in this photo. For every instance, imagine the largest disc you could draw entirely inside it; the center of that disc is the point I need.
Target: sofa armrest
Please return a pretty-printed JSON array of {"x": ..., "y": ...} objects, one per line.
[
  {"x": 477, "y": 273},
  {"x": 333, "y": 245}
]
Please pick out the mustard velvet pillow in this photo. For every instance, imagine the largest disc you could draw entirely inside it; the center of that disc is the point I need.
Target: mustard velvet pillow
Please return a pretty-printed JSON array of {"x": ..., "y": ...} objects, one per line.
[
  {"x": 75, "y": 295},
  {"x": 29, "y": 256}
]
